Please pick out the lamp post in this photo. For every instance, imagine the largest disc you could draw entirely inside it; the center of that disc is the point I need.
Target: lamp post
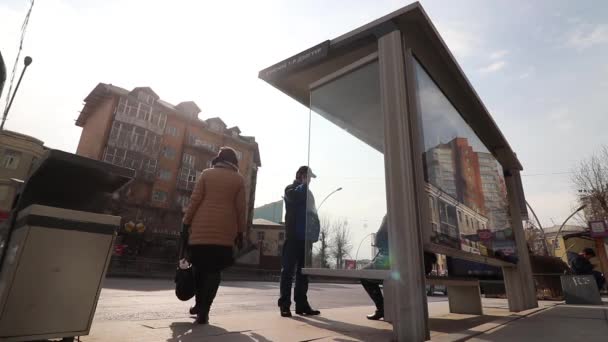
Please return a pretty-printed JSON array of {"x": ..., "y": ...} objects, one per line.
[
  {"x": 563, "y": 224},
  {"x": 546, "y": 247},
  {"x": 26, "y": 61},
  {"x": 365, "y": 237},
  {"x": 326, "y": 197}
]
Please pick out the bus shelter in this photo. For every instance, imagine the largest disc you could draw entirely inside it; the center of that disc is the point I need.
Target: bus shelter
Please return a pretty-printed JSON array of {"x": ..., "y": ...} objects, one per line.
[{"x": 395, "y": 122}]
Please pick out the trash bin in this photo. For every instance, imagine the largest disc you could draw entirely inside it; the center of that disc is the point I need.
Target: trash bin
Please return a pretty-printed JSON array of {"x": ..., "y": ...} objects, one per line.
[{"x": 56, "y": 248}]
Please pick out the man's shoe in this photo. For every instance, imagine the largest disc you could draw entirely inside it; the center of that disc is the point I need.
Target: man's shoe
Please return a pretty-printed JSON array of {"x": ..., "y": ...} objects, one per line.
[
  {"x": 307, "y": 311},
  {"x": 285, "y": 312},
  {"x": 379, "y": 314}
]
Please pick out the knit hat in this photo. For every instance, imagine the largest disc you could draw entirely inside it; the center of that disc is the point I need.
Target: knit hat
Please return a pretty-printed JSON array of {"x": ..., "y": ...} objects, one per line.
[{"x": 226, "y": 155}]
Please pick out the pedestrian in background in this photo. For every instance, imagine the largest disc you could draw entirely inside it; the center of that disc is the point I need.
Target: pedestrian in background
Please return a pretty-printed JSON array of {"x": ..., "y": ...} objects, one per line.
[
  {"x": 582, "y": 266},
  {"x": 381, "y": 262},
  {"x": 301, "y": 229},
  {"x": 217, "y": 219}
]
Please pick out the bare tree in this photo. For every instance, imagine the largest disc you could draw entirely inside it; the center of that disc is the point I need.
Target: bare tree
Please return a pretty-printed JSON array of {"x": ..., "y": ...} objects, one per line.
[
  {"x": 324, "y": 244},
  {"x": 591, "y": 181},
  {"x": 341, "y": 241}
]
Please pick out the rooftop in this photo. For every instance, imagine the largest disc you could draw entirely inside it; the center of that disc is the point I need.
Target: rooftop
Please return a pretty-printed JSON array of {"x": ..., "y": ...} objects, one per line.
[
  {"x": 21, "y": 136},
  {"x": 295, "y": 75},
  {"x": 264, "y": 222},
  {"x": 187, "y": 109}
]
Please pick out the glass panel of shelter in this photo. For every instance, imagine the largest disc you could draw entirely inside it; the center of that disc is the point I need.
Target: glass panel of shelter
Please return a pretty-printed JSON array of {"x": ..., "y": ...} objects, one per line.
[
  {"x": 465, "y": 183},
  {"x": 348, "y": 196}
]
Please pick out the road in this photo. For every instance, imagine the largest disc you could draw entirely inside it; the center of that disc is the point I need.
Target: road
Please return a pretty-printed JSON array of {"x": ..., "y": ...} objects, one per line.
[{"x": 149, "y": 299}]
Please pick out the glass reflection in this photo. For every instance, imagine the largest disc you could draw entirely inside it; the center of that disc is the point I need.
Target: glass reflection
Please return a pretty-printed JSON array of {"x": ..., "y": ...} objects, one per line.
[
  {"x": 345, "y": 152},
  {"x": 465, "y": 183}
]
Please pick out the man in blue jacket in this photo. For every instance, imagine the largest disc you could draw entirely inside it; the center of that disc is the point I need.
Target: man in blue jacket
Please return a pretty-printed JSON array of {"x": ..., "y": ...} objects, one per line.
[{"x": 301, "y": 229}]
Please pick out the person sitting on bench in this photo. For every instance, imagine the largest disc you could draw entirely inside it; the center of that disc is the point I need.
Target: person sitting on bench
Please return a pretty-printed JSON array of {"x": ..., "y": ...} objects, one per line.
[
  {"x": 381, "y": 261},
  {"x": 582, "y": 266}
]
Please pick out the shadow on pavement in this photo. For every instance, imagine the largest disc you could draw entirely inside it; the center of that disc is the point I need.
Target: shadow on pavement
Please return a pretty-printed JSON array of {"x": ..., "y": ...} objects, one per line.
[
  {"x": 138, "y": 284},
  {"x": 454, "y": 325},
  {"x": 186, "y": 332},
  {"x": 357, "y": 332},
  {"x": 256, "y": 285}
]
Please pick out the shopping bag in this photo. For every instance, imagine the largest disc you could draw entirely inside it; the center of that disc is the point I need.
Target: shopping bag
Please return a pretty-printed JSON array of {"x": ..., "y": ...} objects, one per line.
[
  {"x": 184, "y": 274},
  {"x": 184, "y": 281}
]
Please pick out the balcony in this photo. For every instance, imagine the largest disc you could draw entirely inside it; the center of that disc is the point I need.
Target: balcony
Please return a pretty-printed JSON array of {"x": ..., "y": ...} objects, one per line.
[
  {"x": 122, "y": 117},
  {"x": 147, "y": 148},
  {"x": 202, "y": 145}
]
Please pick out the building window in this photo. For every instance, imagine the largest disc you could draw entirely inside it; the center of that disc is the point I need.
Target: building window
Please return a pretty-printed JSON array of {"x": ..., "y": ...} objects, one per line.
[
  {"x": 281, "y": 236},
  {"x": 11, "y": 159},
  {"x": 150, "y": 165},
  {"x": 115, "y": 156},
  {"x": 261, "y": 236},
  {"x": 144, "y": 112},
  {"x": 183, "y": 201},
  {"x": 138, "y": 138},
  {"x": 172, "y": 131},
  {"x": 3, "y": 192},
  {"x": 168, "y": 152},
  {"x": 147, "y": 98},
  {"x": 164, "y": 174},
  {"x": 188, "y": 159},
  {"x": 159, "y": 196}
]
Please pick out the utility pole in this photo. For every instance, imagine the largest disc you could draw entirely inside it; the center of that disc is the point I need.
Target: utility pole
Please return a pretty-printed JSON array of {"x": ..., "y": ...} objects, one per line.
[{"x": 26, "y": 61}]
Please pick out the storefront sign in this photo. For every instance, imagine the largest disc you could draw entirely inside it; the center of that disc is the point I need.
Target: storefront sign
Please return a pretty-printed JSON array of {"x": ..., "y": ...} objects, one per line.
[
  {"x": 506, "y": 246},
  {"x": 302, "y": 59},
  {"x": 598, "y": 228},
  {"x": 484, "y": 234}
]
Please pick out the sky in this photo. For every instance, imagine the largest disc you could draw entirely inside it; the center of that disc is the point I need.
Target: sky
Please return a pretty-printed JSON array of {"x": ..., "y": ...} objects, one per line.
[{"x": 539, "y": 67}]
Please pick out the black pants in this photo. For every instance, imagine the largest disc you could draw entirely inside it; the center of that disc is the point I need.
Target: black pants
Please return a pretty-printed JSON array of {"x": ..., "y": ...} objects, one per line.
[
  {"x": 599, "y": 280},
  {"x": 208, "y": 262},
  {"x": 372, "y": 287},
  {"x": 293, "y": 259}
]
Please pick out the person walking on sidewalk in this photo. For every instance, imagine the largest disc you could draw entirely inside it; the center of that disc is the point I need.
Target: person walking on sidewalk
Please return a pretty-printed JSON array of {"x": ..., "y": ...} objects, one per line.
[
  {"x": 301, "y": 229},
  {"x": 217, "y": 219}
]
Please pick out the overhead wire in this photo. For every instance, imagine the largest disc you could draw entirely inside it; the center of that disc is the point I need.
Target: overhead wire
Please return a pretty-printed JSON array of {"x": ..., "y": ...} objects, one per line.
[{"x": 21, "y": 40}]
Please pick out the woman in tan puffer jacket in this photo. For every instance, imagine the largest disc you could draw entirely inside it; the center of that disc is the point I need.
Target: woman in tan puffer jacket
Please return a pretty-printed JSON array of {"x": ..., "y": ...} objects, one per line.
[{"x": 217, "y": 218}]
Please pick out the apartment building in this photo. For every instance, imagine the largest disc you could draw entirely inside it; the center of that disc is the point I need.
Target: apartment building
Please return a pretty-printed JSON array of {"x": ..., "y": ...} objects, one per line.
[
  {"x": 19, "y": 154},
  {"x": 168, "y": 146}
]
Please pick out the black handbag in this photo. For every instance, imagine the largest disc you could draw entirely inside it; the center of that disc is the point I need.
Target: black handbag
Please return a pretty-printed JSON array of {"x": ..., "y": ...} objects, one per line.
[{"x": 185, "y": 287}]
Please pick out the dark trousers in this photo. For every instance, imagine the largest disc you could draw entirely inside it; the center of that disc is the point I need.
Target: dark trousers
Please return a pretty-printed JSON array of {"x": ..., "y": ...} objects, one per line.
[
  {"x": 208, "y": 262},
  {"x": 599, "y": 280},
  {"x": 372, "y": 287},
  {"x": 293, "y": 258}
]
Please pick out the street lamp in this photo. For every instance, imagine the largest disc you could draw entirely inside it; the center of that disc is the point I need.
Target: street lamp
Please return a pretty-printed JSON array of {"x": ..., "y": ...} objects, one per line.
[
  {"x": 365, "y": 237},
  {"x": 326, "y": 197},
  {"x": 26, "y": 61},
  {"x": 540, "y": 227},
  {"x": 563, "y": 224}
]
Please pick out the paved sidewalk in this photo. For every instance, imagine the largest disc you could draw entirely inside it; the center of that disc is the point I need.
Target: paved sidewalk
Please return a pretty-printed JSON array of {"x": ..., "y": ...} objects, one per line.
[
  {"x": 341, "y": 324},
  {"x": 560, "y": 323}
]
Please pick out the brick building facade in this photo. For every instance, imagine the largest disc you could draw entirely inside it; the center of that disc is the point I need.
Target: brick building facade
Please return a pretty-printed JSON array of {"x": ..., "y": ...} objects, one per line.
[{"x": 167, "y": 145}]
